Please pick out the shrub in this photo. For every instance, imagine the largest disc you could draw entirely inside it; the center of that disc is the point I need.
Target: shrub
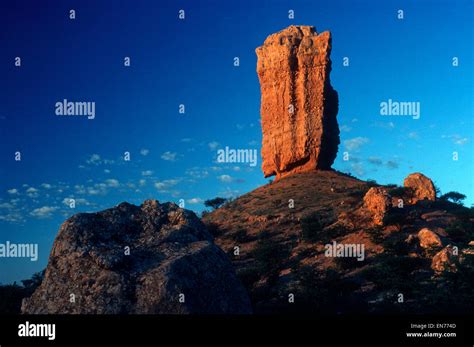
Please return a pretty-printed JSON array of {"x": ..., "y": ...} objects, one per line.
[
  {"x": 215, "y": 203},
  {"x": 455, "y": 197}
]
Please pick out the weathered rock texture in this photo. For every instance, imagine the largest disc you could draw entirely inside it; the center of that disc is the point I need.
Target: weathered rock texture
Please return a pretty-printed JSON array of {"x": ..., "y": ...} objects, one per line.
[
  {"x": 298, "y": 104},
  {"x": 422, "y": 187},
  {"x": 429, "y": 239},
  {"x": 171, "y": 253},
  {"x": 378, "y": 202}
]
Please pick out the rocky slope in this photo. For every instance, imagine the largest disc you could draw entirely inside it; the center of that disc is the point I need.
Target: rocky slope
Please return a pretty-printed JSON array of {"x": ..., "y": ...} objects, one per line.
[
  {"x": 281, "y": 229},
  {"x": 298, "y": 104},
  {"x": 154, "y": 258}
]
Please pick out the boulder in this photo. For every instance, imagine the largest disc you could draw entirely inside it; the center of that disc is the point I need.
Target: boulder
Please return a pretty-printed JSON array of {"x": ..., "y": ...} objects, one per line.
[
  {"x": 149, "y": 259},
  {"x": 429, "y": 239},
  {"x": 445, "y": 260},
  {"x": 298, "y": 104},
  {"x": 421, "y": 186},
  {"x": 378, "y": 202}
]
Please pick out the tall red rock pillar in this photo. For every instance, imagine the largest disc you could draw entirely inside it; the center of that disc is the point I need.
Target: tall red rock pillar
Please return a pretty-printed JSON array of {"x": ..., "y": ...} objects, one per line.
[{"x": 298, "y": 104}]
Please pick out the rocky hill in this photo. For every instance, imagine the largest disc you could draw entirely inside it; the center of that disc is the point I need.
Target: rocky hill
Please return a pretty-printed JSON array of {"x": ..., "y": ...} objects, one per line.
[{"x": 421, "y": 249}]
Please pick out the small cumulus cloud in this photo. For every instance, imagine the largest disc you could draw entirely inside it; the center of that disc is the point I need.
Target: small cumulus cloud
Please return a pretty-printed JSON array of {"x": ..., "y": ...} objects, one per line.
[
  {"x": 144, "y": 152},
  {"x": 169, "y": 156},
  {"x": 225, "y": 178},
  {"x": 345, "y": 128},
  {"x": 111, "y": 182},
  {"x": 32, "y": 192},
  {"x": 147, "y": 173},
  {"x": 43, "y": 212},
  {"x": 355, "y": 143},
  {"x": 165, "y": 185},
  {"x": 12, "y": 191},
  {"x": 94, "y": 159},
  {"x": 194, "y": 201}
]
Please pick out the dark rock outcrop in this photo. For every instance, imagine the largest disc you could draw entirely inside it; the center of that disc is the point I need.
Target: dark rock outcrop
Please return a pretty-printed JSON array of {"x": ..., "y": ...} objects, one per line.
[{"x": 148, "y": 259}]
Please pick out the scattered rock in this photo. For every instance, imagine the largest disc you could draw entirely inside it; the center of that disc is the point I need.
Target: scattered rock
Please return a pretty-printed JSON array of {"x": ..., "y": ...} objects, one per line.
[
  {"x": 378, "y": 202},
  {"x": 171, "y": 253},
  {"x": 298, "y": 104},
  {"x": 429, "y": 239},
  {"x": 445, "y": 260},
  {"x": 422, "y": 187}
]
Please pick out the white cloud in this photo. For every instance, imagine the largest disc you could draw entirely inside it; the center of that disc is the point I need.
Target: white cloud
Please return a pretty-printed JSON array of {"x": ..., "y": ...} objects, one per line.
[
  {"x": 142, "y": 182},
  {"x": 6, "y": 205},
  {"x": 144, "y": 151},
  {"x": 94, "y": 159},
  {"x": 112, "y": 182},
  {"x": 225, "y": 178},
  {"x": 345, "y": 128},
  {"x": 194, "y": 201},
  {"x": 166, "y": 184},
  {"x": 107, "y": 171},
  {"x": 413, "y": 135},
  {"x": 12, "y": 191},
  {"x": 32, "y": 192},
  {"x": 169, "y": 156},
  {"x": 43, "y": 212},
  {"x": 355, "y": 143},
  {"x": 46, "y": 186},
  {"x": 147, "y": 173}
]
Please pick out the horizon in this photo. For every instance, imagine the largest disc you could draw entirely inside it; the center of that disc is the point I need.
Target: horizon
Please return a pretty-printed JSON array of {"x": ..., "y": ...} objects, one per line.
[{"x": 182, "y": 99}]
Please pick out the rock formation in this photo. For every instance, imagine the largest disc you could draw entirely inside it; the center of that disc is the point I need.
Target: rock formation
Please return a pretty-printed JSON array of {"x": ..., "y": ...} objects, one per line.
[
  {"x": 422, "y": 187},
  {"x": 149, "y": 259},
  {"x": 445, "y": 260},
  {"x": 298, "y": 104},
  {"x": 378, "y": 202},
  {"x": 429, "y": 239}
]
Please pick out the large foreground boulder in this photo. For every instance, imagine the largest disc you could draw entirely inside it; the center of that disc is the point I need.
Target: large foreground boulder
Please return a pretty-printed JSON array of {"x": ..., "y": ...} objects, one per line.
[{"x": 148, "y": 259}]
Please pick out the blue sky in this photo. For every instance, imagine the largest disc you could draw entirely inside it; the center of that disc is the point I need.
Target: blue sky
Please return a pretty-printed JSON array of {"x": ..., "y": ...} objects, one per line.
[{"x": 190, "y": 62}]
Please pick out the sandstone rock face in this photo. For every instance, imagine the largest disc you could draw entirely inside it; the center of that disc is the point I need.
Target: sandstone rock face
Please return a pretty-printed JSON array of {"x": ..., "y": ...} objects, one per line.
[
  {"x": 378, "y": 202},
  {"x": 170, "y": 253},
  {"x": 445, "y": 260},
  {"x": 422, "y": 187},
  {"x": 429, "y": 239},
  {"x": 298, "y": 104}
]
